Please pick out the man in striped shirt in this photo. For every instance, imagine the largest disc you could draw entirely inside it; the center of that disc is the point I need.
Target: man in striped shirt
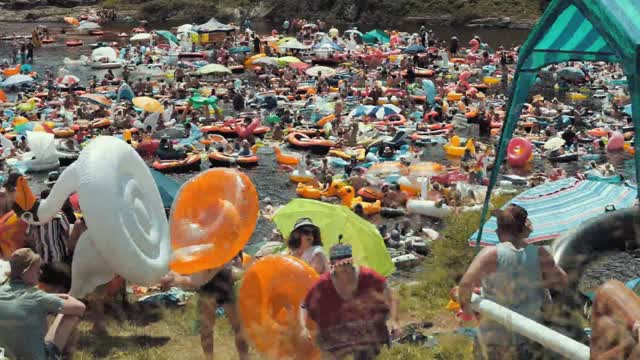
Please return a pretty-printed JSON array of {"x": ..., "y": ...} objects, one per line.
[{"x": 49, "y": 240}]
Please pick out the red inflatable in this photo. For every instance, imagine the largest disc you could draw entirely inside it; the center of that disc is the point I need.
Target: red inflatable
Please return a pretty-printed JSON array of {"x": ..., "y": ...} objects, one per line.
[{"x": 519, "y": 152}]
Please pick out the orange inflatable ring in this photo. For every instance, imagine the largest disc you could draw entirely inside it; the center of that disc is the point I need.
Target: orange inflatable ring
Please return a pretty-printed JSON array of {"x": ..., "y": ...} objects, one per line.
[
  {"x": 270, "y": 296},
  {"x": 212, "y": 219},
  {"x": 63, "y": 133},
  {"x": 326, "y": 119},
  {"x": 13, "y": 234}
]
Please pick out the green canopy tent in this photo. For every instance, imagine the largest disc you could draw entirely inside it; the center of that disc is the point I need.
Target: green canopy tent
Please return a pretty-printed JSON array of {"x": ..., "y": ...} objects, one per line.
[
  {"x": 575, "y": 30},
  {"x": 376, "y": 36},
  {"x": 168, "y": 35}
]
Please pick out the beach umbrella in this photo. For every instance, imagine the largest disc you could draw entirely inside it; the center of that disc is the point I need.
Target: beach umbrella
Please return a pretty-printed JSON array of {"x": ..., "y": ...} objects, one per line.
[
  {"x": 168, "y": 35},
  {"x": 415, "y": 49},
  {"x": 316, "y": 70},
  {"x": 338, "y": 223},
  {"x": 3, "y": 97},
  {"x": 284, "y": 40},
  {"x": 362, "y": 110},
  {"x": 384, "y": 110},
  {"x": 299, "y": 66},
  {"x": 558, "y": 207},
  {"x": 72, "y": 21},
  {"x": 184, "y": 28},
  {"x": 265, "y": 60},
  {"x": 16, "y": 80},
  {"x": 19, "y": 120},
  {"x": 287, "y": 60},
  {"x": 148, "y": 104},
  {"x": 554, "y": 143},
  {"x": 213, "y": 69},
  {"x": 68, "y": 80},
  {"x": 239, "y": 50},
  {"x": 88, "y": 25},
  {"x": 353, "y": 31},
  {"x": 140, "y": 37},
  {"x": 97, "y": 99},
  {"x": 167, "y": 187}
]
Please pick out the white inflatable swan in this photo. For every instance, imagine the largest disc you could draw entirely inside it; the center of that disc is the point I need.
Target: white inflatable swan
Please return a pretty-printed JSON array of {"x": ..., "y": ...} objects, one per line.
[{"x": 127, "y": 231}]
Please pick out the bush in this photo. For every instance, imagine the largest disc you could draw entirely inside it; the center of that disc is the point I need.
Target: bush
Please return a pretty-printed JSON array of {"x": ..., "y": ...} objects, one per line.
[{"x": 196, "y": 10}]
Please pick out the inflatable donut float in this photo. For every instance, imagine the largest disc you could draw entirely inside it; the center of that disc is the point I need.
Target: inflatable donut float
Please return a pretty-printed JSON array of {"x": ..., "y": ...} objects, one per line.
[
  {"x": 272, "y": 290},
  {"x": 212, "y": 219},
  {"x": 127, "y": 231}
]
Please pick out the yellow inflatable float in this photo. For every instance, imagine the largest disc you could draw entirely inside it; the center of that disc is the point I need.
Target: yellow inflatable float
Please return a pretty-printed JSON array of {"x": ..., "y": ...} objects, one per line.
[{"x": 453, "y": 148}]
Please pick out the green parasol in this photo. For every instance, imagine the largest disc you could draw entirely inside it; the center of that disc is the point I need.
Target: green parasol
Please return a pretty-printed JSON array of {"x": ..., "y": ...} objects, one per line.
[
  {"x": 273, "y": 119},
  {"x": 335, "y": 221}
]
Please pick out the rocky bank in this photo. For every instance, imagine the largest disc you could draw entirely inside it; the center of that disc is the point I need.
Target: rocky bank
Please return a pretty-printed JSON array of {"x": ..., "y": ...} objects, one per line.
[{"x": 385, "y": 13}]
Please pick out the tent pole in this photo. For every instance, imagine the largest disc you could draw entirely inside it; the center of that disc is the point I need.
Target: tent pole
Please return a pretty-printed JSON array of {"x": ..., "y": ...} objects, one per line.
[{"x": 634, "y": 85}]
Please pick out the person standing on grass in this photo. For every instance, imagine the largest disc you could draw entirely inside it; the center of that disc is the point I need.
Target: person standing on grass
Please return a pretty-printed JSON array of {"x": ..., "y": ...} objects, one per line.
[
  {"x": 24, "y": 310},
  {"x": 351, "y": 305},
  {"x": 216, "y": 289},
  {"x": 513, "y": 274}
]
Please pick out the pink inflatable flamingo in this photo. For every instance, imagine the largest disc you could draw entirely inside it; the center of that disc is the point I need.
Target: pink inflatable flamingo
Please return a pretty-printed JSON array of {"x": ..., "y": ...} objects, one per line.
[
  {"x": 475, "y": 45},
  {"x": 464, "y": 78},
  {"x": 244, "y": 132}
]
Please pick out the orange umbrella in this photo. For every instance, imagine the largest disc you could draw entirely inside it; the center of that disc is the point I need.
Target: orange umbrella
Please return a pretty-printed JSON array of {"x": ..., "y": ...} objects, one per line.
[
  {"x": 3, "y": 96},
  {"x": 71, "y": 20}
]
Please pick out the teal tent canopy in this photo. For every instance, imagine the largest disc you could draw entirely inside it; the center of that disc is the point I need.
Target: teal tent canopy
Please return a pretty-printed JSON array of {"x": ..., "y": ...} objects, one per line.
[
  {"x": 575, "y": 30},
  {"x": 376, "y": 36},
  {"x": 168, "y": 35}
]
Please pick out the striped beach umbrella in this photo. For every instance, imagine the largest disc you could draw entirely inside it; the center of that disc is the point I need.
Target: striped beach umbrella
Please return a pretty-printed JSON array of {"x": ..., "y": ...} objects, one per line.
[{"x": 561, "y": 206}]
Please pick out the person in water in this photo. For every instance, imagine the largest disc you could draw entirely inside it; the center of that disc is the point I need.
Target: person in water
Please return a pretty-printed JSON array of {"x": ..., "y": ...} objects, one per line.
[
  {"x": 216, "y": 289},
  {"x": 513, "y": 274},
  {"x": 305, "y": 243},
  {"x": 351, "y": 305}
]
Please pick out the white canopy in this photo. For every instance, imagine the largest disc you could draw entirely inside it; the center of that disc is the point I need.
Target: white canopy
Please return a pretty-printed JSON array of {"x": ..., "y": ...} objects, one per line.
[{"x": 213, "y": 25}]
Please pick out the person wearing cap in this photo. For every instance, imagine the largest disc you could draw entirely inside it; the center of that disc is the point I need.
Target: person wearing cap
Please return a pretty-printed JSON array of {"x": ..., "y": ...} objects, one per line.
[
  {"x": 24, "y": 310},
  {"x": 351, "y": 305},
  {"x": 513, "y": 274},
  {"x": 305, "y": 243}
]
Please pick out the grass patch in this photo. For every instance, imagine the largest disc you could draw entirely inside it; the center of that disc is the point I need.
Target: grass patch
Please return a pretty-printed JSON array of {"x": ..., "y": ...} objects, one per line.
[{"x": 451, "y": 347}]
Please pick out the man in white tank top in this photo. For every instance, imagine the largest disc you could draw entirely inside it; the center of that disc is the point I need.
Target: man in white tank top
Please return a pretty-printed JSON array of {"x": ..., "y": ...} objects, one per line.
[{"x": 513, "y": 274}]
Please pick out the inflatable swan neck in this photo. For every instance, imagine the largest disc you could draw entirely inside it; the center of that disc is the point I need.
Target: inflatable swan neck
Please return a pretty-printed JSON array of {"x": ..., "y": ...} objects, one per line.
[{"x": 45, "y": 209}]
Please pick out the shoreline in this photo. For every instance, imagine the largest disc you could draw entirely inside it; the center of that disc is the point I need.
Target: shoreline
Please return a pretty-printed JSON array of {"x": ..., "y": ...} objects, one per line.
[{"x": 53, "y": 14}]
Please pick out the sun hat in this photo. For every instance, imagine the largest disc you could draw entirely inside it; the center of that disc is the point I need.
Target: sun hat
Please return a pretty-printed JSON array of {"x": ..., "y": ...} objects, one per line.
[
  {"x": 52, "y": 177},
  {"x": 305, "y": 221},
  {"x": 21, "y": 261}
]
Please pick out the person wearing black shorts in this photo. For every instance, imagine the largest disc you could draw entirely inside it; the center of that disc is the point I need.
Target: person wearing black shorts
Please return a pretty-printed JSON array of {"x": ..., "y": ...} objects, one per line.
[{"x": 216, "y": 289}]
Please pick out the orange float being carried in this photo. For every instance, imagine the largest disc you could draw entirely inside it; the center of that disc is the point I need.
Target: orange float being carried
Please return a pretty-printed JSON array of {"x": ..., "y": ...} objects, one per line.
[
  {"x": 304, "y": 142},
  {"x": 11, "y": 71},
  {"x": 13, "y": 234},
  {"x": 212, "y": 219},
  {"x": 270, "y": 296}
]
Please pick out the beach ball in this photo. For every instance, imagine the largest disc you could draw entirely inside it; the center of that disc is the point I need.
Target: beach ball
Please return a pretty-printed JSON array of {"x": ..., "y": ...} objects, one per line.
[{"x": 212, "y": 219}]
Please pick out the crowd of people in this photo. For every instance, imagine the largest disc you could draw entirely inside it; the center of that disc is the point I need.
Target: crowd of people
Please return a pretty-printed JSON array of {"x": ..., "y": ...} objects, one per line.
[{"x": 355, "y": 309}]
